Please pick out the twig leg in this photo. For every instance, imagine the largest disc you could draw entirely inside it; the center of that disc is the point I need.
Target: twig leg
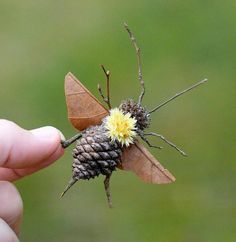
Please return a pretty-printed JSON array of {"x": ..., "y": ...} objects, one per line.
[
  {"x": 70, "y": 184},
  {"x": 167, "y": 141},
  {"x": 107, "y": 190},
  {"x": 66, "y": 143},
  {"x": 148, "y": 143}
]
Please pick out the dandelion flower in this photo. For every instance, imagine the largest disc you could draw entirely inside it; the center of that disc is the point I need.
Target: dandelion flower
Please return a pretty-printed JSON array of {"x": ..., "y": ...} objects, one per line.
[{"x": 120, "y": 127}]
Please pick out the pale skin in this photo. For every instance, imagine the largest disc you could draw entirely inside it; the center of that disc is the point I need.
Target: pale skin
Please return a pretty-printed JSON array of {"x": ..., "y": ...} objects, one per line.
[{"x": 22, "y": 153}]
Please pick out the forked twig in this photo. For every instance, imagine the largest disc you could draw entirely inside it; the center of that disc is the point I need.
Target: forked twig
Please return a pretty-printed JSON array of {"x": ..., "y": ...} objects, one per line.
[
  {"x": 167, "y": 141},
  {"x": 138, "y": 53},
  {"x": 142, "y": 135},
  {"x": 177, "y": 95},
  {"x": 107, "y": 98}
]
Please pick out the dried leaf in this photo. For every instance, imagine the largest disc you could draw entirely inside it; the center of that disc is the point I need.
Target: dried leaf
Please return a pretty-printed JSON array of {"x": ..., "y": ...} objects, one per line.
[
  {"x": 83, "y": 108},
  {"x": 138, "y": 159}
]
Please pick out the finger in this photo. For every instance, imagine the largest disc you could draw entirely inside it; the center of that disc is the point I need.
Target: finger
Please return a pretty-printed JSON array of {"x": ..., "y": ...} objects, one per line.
[
  {"x": 8, "y": 174},
  {"x": 11, "y": 206},
  {"x": 6, "y": 233},
  {"x": 20, "y": 148}
]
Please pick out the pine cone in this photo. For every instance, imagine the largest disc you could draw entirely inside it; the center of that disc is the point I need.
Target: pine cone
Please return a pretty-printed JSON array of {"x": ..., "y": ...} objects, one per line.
[
  {"x": 95, "y": 154},
  {"x": 137, "y": 111}
]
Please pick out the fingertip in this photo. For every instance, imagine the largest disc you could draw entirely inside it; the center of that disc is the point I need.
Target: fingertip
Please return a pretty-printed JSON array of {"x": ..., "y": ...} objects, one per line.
[
  {"x": 50, "y": 136},
  {"x": 48, "y": 132},
  {"x": 9, "y": 194},
  {"x": 21, "y": 148},
  {"x": 6, "y": 233},
  {"x": 11, "y": 208},
  {"x": 57, "y": 153}
]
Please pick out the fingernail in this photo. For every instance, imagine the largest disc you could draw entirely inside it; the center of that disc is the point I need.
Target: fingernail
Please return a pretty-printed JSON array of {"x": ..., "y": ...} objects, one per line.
[{"x": 47, "y": 132}]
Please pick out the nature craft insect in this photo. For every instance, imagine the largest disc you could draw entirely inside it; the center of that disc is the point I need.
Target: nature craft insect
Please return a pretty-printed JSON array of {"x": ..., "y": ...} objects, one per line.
[{"x": 109, "y": 136}]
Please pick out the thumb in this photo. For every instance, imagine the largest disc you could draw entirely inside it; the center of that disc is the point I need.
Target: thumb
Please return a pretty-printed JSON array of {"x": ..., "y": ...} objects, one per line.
[{"x": 20, "y": 148}]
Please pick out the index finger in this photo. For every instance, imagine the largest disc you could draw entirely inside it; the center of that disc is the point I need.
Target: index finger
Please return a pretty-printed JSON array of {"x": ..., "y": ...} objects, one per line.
[{"x": 20, "y": 148}]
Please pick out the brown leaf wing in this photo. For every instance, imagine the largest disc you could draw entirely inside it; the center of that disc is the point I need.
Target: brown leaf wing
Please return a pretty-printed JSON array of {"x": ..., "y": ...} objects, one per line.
[
  {"x": 138, "y": 159},
  {"x": 83, "y": 108}
]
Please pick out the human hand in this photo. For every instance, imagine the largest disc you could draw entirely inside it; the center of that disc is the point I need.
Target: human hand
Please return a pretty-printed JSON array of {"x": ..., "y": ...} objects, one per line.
[{"x": 22, "y": 153}]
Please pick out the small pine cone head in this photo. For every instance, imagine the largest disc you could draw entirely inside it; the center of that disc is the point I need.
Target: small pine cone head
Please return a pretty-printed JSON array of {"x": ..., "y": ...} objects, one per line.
[{"x": 136, "y": 111}]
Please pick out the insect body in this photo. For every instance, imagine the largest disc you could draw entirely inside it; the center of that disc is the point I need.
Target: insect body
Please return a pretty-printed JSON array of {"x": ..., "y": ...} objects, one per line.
[
  {"x": 95, "y": 154},
  {"x": 109, "y": 136}
]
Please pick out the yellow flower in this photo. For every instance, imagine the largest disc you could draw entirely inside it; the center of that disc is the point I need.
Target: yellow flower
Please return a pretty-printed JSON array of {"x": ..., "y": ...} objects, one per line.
[{"x": 120, "y": 127}]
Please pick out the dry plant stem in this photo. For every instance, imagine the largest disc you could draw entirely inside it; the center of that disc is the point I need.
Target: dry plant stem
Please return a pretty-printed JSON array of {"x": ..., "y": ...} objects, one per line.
[
  {"x": 177, "y": 95},
  {"x": 138, "y": 53},
  {"x": 107, "y": 73},
  {"x": 107, "y": 98},
  {"x": 70, "y": 184},
  {"x": 68, "y": 142},
  {"x": 148, "y": 143},
  {"x": 101, "y": 93},
  {"x": 107, "y": 189},
  {"x": 167, "y": 141}
]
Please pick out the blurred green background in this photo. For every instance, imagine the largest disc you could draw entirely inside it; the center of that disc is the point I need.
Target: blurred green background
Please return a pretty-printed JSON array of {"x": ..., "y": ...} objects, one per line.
[{"x": 182, "y": 42}]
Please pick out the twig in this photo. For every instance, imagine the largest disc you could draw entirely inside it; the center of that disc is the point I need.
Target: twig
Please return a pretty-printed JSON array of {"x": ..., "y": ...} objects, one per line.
[
  {"x": 107, "y": 190},
  {"x": 147, "y": 141},
  {"x": 167, "y": 141},
  {"x": 70, "y": 184},
  {"x": 177, "y": 95},
  {"x": 66, "y": 143},
  {"x": 107, "y": 98},
  {"x": 138, "y": 53}
]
